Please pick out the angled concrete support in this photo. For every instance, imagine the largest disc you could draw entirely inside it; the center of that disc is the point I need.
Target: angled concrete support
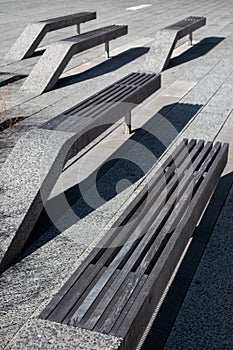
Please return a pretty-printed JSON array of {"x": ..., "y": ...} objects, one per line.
[{"x": 165, "y": 42}]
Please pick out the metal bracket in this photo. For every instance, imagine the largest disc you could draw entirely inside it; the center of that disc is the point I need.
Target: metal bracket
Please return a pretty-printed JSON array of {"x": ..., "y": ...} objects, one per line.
[
  {"x": 191, "y": 39},
  {"x": 78, "y": 29},
  {"x": 127, "y": 123},
  {"x": 107, "y": 49}
]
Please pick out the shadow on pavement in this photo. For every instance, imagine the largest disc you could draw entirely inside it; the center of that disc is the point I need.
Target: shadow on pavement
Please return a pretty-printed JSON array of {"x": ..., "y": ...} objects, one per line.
[
  {"x": 196, "y": 51},
  {"x": 128, "y": 164},
  {"x": 105, "y": 67}
]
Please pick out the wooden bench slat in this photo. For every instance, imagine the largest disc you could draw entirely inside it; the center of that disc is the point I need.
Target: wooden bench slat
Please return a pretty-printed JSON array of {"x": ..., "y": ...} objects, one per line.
[
  {"x": 117, "y": 304},
  {"x": 70, "y": 298}
]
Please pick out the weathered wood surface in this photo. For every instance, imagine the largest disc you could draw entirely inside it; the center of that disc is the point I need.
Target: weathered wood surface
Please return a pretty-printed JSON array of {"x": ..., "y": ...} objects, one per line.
[{"x": 117, "y": 287}]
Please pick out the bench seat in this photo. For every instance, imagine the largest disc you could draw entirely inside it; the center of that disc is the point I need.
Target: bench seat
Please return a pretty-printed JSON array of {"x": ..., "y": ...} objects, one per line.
[
  {"x": 116, "y": 289},
  {"x": 108, "y": 105}
]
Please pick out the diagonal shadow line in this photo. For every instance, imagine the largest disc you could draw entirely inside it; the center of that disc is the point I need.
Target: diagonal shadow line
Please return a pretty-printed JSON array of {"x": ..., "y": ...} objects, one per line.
[
  {"x": 114, "y": 169},
  {"x": 198, "y": 50},
  {"x": 105, "y": 67}
]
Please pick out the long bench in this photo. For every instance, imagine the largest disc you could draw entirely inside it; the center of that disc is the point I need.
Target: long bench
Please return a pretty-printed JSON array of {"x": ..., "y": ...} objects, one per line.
[
  {"x": 165, "y": 41},
  {"x": 34, "y": 33},
  {"x": 107, "y": 106},
  {"x": 47, "y": 71},
  {"x": 116, "y": 289},
  {"x": 26, "y": 184}
]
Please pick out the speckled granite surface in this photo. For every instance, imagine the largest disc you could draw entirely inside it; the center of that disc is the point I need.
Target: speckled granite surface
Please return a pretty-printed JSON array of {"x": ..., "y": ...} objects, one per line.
[
  {"x": 39, "y": 334},
  {"x": 26, "y": 180}
]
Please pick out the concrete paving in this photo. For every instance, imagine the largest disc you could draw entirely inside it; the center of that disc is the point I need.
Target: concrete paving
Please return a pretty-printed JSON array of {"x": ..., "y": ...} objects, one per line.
[{"x": 195, "y": 101}]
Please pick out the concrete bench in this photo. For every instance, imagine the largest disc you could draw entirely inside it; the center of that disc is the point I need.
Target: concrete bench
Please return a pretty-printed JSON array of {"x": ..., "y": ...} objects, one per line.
[
  {"x": 47, "y": 71},
  {"x": 116, "y": 289},
  {"x": 44, "y": 152},
  {"x": 34, "y": 33},
  {"x": 165, "y": 41}
]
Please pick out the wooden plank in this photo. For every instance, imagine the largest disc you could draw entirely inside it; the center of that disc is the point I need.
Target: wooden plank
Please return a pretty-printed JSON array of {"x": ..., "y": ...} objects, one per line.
[
  {"x": 131, "y": 284},
  {"x": 72, "y": 321},
  {"x": 69, "y": 284},
  {"x": 127, "y": 307},
  {"x": 70, "y": 298},
  {"x": 69, "y": 311}
]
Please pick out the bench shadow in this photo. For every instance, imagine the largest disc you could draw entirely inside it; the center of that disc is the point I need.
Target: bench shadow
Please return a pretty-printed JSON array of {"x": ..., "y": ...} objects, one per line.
[
  {"x": 128, "y": 164},
  {"x": 164, "y": 321},
  {"x": 105, "y": 67},
  {"x": 196, "y": 51},
  {"x": 38, "y": 52}
]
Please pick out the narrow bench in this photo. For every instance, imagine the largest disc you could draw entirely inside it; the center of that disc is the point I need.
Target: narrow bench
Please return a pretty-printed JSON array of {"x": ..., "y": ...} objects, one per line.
[
  {"x": 47, "y": 71},
  {"x": 107, "y": 106},
  {"x": 44, "y": 152},
  {"x": 34, "y": 33},
  {"x": 165, "y": 41},
  {"x": 116, "y": 289}
]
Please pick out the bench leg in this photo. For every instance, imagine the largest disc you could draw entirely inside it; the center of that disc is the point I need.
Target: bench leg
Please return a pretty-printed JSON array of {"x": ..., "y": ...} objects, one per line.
[
  {"x": 127, "y": 123},
  {"x": 107, "y": 49},
  {"x": 191, "y": 39},
  {"x": 78, "y": 29}
]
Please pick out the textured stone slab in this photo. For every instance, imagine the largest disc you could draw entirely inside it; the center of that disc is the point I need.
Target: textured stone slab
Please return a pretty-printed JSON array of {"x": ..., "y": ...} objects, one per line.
[
  {"x": 26, "y": 179},
  {"x": 33, "y": 34},
  {"x": 160, "y": 51},
  {"x": 51, "y": 65},
  {"x": 37, "y": 334}
]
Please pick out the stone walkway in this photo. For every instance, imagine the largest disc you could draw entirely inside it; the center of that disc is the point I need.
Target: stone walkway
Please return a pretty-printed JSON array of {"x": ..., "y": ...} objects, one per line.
[{"x": 195, "y": 101}]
